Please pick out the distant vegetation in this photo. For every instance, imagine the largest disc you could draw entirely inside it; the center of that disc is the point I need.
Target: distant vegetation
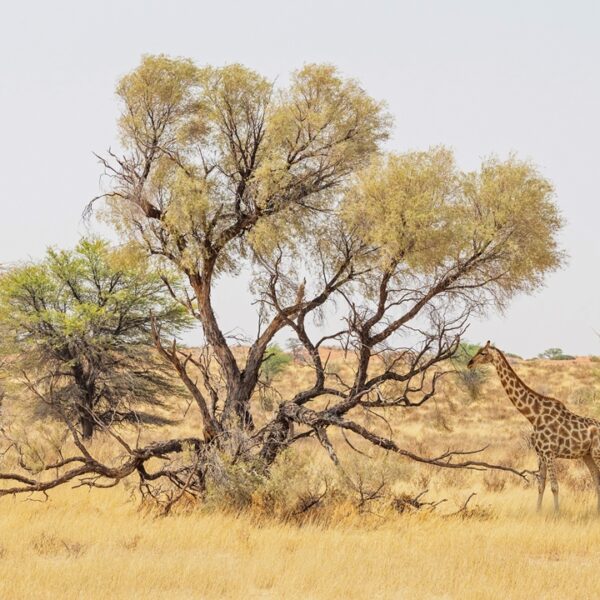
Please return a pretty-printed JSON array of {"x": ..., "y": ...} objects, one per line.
[
  {"x": 276, "y": 360},
  {"x": 465, "y": 352},
  {"x": 555, "y": 354}
]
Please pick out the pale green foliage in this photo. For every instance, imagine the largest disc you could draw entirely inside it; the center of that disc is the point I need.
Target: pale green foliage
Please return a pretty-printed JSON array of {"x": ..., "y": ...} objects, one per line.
[
  {"x": 159, "y": 91},
  {"x": 324, "y": 117},
  {"x": 509, "y": 206},
  {"x": 423, "y": 214},
  {"x": 403, "y": 204},
  {"x": 224, "y": 164},
  {"x": 473, "y": 379},
  {"x": 86, "y": 293},
  {"x": 229, "y": 99},
  {"x": 211, "y": 145}
]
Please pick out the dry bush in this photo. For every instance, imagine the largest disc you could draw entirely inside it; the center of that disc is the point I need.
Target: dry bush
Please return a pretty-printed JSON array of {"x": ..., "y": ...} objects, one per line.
[
  {"x": 51, "y": 545},
  {"x": 476, "y": 513},
  {"x": 494, "y": 482},
  {"x": 471, "y": 381},
  {"x": 585, "y": 396},
  {"x": 407, "y": 503},
  {"x": 295, "y": 485}
]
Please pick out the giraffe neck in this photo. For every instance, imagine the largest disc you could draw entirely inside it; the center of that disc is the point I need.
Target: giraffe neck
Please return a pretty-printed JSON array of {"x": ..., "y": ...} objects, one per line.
[{"x": 524, "y": 399}]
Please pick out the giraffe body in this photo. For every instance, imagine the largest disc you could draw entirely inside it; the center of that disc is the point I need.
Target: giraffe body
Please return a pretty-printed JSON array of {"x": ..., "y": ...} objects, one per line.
[
  {"x": 557, "y": 432},
  {"x": 562, "y": 433}
]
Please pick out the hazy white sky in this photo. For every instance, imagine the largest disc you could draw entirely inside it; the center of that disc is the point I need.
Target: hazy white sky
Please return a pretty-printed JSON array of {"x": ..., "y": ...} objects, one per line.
[{"x": 481, "y": 76}]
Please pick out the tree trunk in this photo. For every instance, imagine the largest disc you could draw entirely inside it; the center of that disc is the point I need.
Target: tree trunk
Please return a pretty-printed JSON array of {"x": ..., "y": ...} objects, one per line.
[
  {"x": 236, "y": 414},
  {"x": 87, "y": 425},
  {"x": 277, "y": 439},
  {"x": 85, "y": 404}
]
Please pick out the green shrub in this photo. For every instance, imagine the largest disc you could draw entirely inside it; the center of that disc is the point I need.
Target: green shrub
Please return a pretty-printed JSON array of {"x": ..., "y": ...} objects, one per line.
[
  {"x": 464, "y": 353},
  {"x": 275, "y": 362}
]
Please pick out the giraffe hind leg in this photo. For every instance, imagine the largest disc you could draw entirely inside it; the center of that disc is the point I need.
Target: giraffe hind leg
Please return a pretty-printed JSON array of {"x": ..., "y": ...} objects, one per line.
[
  {"x": 541, "y": 482},
  {"x": 592, "y": 465},
  {"x": 593, "y": 460},
  {"x": 553, "y": 481}
]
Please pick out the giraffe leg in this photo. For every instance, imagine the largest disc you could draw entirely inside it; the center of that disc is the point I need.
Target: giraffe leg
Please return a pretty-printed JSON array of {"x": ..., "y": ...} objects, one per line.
[
  {"x": 593, "y": 461},
  {"x": 592, "y": 465},
  {"x": 553, "y": 481},
  {"x": 541, "y": 482}
]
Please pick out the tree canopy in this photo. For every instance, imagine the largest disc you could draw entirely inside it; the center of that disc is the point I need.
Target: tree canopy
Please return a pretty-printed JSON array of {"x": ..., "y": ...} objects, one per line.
[{"x": 78, "y": 332}]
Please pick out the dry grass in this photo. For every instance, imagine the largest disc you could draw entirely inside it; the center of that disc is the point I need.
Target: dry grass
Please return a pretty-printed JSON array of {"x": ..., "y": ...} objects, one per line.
[
  {"x": 82, "y": 544},
  {"x": 98, "y": 546}
]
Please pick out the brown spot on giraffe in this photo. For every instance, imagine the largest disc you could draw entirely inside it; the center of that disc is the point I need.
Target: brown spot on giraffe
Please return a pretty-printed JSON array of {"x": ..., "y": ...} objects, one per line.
[{"x": 557, "y": 432}]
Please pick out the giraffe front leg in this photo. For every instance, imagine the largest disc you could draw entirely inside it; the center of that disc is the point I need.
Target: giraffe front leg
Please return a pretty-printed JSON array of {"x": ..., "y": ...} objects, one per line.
[
  {"x": 553, "y": 481},
  {"x": 541, "y": 481}
]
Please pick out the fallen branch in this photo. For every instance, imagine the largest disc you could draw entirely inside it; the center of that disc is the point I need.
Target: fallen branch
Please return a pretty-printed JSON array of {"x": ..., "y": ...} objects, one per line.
[
  {"x": 91, "y": 470},
  {"x": 318, "y": 421}
]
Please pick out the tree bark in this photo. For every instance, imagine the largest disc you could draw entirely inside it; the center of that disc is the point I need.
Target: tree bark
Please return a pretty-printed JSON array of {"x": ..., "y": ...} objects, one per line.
[
  {"x": 87, "y": 425},
  {"x": 85, "y": 406}
]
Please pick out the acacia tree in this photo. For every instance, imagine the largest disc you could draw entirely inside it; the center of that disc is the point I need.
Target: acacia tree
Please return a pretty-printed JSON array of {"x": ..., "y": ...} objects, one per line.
[
  {"x": 77, "y": 333},
  {"x": 223, "y": 173}
]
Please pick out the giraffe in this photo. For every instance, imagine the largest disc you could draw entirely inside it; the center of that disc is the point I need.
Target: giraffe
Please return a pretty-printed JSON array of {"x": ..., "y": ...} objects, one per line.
[{"x": 557, "y": 432}]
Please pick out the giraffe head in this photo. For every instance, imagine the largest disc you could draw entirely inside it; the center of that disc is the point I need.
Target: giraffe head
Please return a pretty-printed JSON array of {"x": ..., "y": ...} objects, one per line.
[{"x": 484, "y": 355}]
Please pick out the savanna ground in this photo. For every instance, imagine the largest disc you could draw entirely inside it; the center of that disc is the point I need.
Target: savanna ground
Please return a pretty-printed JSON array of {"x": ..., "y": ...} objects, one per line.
[{"x": 309, "y": 533}]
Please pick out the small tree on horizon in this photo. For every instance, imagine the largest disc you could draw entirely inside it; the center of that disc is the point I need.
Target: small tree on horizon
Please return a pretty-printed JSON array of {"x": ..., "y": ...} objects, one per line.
[{"x": 555, "y": 354}]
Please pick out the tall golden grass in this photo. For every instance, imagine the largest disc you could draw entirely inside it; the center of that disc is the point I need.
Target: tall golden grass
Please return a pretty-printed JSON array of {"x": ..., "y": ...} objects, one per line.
[
  {"x": 81, "y": 545},
  {"x": 103, "y": 544}
]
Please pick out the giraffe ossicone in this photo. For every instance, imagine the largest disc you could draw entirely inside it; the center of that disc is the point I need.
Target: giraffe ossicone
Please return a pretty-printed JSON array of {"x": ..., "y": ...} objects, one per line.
[{"x": 557, "y": 431}]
